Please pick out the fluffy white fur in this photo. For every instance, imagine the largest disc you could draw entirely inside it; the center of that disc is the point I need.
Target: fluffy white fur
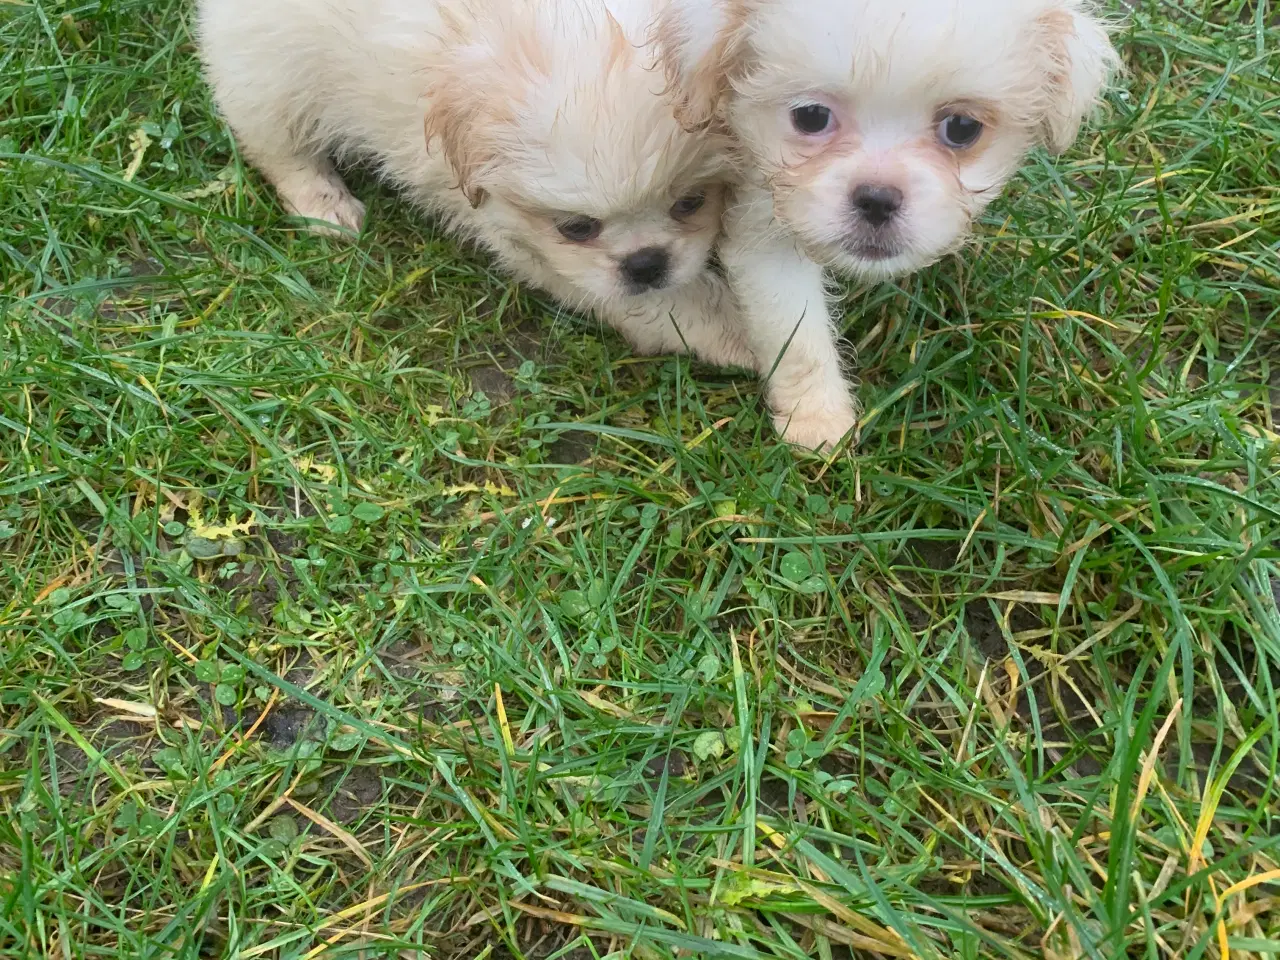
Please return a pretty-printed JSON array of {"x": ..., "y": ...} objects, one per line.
[
  {"x": 889, "y": 76},
  {"x": 508, "y": 119}
]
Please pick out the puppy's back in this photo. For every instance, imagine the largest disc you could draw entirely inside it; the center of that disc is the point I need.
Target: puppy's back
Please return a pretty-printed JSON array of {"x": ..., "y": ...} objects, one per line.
[
  {"x": 343, "y": 75},
  {"x": 357, "y": 79}
]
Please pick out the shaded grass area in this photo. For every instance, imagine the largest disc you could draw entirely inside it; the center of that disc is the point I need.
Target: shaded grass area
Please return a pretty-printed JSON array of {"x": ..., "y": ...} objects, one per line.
[{"x": 355, "y": 602}]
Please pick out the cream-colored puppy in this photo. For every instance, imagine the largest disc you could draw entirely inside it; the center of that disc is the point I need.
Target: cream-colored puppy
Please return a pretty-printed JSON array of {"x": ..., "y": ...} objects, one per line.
[
  {"x": 875, "y": 132},
  {"x": 537, "y": 128}
]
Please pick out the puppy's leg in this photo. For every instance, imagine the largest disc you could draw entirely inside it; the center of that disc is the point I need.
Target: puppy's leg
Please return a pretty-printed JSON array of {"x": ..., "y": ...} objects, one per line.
[
  {"x": 788, "y": 325},
  {"x": 261, "y": 69},
  {"x": 307, "y": 183},
  {"x": 701, "y": 318},
  {"x": 310, "y": 187},
  {"x": 304, "y": 178}
]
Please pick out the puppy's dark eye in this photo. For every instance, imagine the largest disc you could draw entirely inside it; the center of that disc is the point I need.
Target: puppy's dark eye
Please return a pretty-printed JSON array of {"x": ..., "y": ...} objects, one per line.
[
  {"x": 958, "y": 131},
  {"x": 580, "y": 229},
  {"x": 689, "y": 205},
  {"x": 812, "y": 119}
]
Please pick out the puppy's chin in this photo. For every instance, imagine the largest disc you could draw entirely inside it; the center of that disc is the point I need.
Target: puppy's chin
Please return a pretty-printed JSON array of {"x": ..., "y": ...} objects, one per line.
[
  {"x": 870, "y": 259},
  {"x": 880, "y": 264},
  {"x": 852, "y": 249}
]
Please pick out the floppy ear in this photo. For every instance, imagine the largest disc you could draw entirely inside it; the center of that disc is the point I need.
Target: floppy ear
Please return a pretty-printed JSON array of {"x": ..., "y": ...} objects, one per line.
[
  {"x": 701, "y": 45},
  {"x": 1081, "y": 61},
  {"x": 454, "y": 122}
]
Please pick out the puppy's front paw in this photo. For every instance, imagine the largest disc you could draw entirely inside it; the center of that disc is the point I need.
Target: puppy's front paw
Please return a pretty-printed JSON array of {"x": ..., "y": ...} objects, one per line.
[
  {"x": 820, "y": 427},
  {"x": 329, "y": 201}
]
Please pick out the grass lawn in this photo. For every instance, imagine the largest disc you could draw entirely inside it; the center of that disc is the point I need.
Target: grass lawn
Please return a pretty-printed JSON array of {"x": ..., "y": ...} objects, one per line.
[{"x": 354, "y": 602}]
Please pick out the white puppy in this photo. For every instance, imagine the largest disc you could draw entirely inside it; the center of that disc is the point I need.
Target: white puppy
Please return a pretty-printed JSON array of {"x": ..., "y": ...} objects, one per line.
[
  {"x": 875, "y": 132},
  {"x": 539, "y": 128}
]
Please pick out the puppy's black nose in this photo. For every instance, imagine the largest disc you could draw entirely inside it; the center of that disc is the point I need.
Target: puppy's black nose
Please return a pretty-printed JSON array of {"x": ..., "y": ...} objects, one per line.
[
  {"x": 647, "y": 268},
  {"x": 877, "y": 203}
]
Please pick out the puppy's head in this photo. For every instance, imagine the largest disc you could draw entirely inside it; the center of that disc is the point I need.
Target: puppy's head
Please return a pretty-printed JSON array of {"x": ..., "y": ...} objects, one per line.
[
  {"x": 555, "y": 119},
  {"x": 884, "y": 127}
]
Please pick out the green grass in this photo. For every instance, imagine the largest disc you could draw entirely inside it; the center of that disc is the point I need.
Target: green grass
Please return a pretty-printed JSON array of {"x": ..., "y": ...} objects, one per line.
[{"x": 513, "y": 645}]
